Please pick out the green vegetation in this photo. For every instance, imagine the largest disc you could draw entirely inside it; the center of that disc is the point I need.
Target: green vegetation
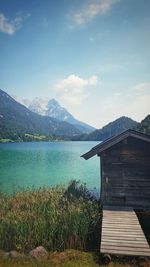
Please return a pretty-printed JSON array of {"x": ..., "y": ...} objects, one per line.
[
  {"x": 32, "y": 137},
  {"x": 111, "y": 129},
  {"x": 65, "y": 221},
  {"x": 144, "y": 126},
  {"x": 16, "y": 121},
  {"x": 37, "y": 137},
  {"x": 5, "y": 140},
  {"x": 55, "y": 218},
  {"x": 67, "y": 258},
  {"x": 70, "y": 258}
]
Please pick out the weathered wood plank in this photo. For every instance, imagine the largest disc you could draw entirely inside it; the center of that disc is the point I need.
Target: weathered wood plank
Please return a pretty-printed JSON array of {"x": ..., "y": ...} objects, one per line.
[
  {"x": 131, "y": 227},
  {"x": 125, "y": 216},
  {"x": 122, "y": 233},
  {"x": 142, "y": 241},
  {"x": 123, "y": 248},
  {"x": 126, "y": 165},
  {"x": 127, "y": 253},
  {"x": 114, "y": 230},
  {"x": 139, "y": 238},
  {"x": 120, "y": 226},
  {"x": 120, "y": 218},
  {"x": 114, "y": 221},
  {"x": 124, "y": 225},
  {"x": 124, "y": 244}
]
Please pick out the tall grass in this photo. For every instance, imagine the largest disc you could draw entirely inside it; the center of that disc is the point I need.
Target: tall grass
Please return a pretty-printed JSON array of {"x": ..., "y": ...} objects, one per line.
[{"x": 56, "y": 218}]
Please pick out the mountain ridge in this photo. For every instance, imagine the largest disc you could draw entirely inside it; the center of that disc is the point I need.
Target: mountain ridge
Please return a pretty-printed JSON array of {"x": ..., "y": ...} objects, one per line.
[
  {"x": 111, "y": 129},
  {"x": 52, "y": 108},
  {"x": 19, "y": 123},
  {"x": 16, "y": 120}
]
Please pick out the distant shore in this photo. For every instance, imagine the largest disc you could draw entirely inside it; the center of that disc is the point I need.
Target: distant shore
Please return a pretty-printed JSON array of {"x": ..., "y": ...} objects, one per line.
[{"x": 34, "y": 138}]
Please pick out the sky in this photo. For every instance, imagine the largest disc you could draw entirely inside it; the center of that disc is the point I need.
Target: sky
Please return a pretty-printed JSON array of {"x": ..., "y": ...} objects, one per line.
[{"x": 93, "y": 56}]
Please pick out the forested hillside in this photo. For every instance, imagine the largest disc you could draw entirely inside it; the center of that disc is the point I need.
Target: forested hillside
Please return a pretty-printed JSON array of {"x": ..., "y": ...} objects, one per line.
[
  {"x": 144, "y": 126},
  {"x": 111, "y": 129},
  {"x": 19, "y": 123}
]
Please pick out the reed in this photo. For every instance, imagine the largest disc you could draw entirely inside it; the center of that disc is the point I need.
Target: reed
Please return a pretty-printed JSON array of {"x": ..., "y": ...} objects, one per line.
[{"x": 56, "y": 218}]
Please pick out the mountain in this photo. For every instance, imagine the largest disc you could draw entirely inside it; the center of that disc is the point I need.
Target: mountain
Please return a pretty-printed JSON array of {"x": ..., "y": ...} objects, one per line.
[
  {"x": 51, "y": 108},
  {"x": 17, "y": 121},
  {"x": 111, "y": 129},
  {"x": 37, "y": 105},
  {"x": 144, "y": 126}
]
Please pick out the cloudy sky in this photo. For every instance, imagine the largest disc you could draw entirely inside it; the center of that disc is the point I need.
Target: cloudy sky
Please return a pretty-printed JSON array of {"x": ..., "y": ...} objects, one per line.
[{"x": 93, "y": 56}]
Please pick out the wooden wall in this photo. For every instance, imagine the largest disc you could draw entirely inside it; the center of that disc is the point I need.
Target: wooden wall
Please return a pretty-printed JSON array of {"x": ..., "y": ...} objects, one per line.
[{"x": 125, "y": 174}]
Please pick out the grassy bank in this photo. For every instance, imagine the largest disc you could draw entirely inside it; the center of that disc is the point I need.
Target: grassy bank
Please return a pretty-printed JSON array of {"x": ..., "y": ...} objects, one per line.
[
  {"x": 56, "y": 218},
  {"x": 6, "y": 140},
  {"x": 32, "y": 138},
  {"x": 71, "y": 258},
  {"x": 66, "y": 221},
  {"x": 68, "y": 258}
]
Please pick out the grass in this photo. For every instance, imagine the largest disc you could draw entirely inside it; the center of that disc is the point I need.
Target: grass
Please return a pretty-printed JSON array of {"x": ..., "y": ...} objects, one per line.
[
  {"x": 32, "y": 138},
  {"x": 37, "y": 137},
  {"x": 55, "y": 218},
  {"x": 66, "y": 221},
  {"x": 69, "y": 258},
  {"x": 5, "y": 140}
]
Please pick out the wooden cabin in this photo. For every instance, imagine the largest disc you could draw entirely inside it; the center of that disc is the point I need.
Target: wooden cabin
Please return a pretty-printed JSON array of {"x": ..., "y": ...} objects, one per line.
[{"x": 125, "y": 169}]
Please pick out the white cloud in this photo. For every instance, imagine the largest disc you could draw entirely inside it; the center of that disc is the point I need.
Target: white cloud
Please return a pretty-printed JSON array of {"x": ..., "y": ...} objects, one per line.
[
  {"x": 140, "y": 105},
  {"x": 142, "y": 88},
  {"x": 93, "y": 9},
  {"x": 73, "y": 89},
  {"x": 10, "y": 27},
  {"x": 139, "y": 108}
]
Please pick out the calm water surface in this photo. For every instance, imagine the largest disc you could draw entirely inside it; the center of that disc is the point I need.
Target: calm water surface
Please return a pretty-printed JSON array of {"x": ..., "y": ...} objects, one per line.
[{"x": 34, "y": 165}]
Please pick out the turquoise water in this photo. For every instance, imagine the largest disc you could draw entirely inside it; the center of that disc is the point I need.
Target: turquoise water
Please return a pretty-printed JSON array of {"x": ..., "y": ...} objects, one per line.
[{"x": 45, "y": 164}]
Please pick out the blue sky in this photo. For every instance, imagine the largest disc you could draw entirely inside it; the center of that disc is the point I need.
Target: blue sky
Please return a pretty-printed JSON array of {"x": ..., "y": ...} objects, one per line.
[{"x": 93, "y": 56}]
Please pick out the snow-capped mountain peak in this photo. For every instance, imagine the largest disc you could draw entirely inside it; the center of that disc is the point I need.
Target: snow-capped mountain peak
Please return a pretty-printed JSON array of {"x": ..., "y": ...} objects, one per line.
[
  {"x": 56, "y": 111},
  {"x": 39, "y": 105},
  {"x": 51, "y": 108}
]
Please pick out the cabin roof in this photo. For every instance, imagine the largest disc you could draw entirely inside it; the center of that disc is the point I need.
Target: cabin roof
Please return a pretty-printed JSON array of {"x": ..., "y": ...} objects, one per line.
[{"x": 114, "y": 140}]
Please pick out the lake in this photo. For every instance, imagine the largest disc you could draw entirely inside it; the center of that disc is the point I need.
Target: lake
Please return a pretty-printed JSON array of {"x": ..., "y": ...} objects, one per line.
[{"x": 45, "y": 164}]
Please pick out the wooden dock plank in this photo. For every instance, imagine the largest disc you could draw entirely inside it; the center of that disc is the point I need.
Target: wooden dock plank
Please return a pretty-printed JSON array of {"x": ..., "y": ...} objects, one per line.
[
  {"x": 124, "y": 253},
  {"x": 112, "y": 241},
  {"x": 122, "y": 243},
  {"x": 115, "y": 222},
  {"x": 126, "y": 239},
  {"x": 122, "y": 233},
  {"x": 124, "y": 228},
  {"x": 122, "y": 248},
  {"x": 117, "y": 231}
]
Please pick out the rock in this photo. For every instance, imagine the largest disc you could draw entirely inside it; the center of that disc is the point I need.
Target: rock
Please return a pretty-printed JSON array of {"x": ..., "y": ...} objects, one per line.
[
  {"x": 14, "y": 254},
  {"x": 39, "y": 253}
]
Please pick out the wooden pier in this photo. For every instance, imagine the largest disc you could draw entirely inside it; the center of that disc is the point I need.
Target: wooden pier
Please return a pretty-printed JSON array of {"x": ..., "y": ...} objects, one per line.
[{"x": 122, "y": 233}]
